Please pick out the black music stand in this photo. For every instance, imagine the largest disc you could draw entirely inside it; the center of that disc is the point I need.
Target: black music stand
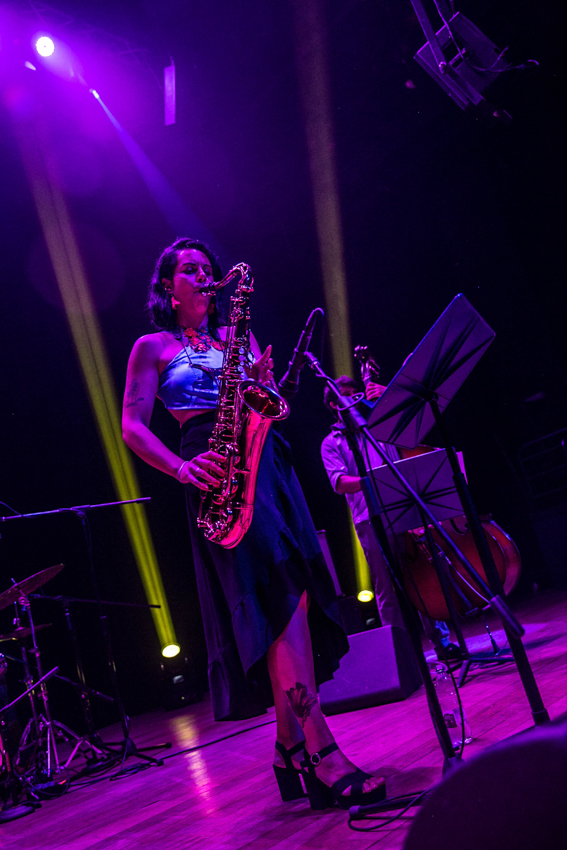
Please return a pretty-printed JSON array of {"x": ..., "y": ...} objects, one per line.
[
  {"x": 430, "y": 376},
  {"x": 430, "y": 475},
  {"x": 355, "y": 429},
  {"x": 446, "y": 355},
  {"x": 407, "y": 410}
]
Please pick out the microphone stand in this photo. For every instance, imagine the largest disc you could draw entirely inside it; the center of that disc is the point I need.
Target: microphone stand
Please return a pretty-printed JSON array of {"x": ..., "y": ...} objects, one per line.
[
  {"x": 127, "y": 746},
  {"x": 405, "y": 412},
  {"x": 92, "y": 738},
  {"x": 289, "y": 384},
  {"x": 409, "y": 407},
  {"x": 356, "y": 425}
]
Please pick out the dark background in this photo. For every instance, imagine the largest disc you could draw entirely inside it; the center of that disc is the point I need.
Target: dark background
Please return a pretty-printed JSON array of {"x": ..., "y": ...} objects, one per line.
[{"x": 434, "y": 202}]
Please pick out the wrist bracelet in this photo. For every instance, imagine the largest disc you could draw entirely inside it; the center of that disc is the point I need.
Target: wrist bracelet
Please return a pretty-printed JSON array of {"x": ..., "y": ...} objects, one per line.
[{"x": 185, "y": 462}]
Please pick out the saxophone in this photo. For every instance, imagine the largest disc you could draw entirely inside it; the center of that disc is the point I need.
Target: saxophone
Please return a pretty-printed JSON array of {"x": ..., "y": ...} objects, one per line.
[{"x": 245, "y": 411}]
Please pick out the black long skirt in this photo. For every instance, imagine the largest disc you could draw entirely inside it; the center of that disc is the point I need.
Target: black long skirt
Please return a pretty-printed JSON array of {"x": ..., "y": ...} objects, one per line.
[{"x": 248, "y": 594}]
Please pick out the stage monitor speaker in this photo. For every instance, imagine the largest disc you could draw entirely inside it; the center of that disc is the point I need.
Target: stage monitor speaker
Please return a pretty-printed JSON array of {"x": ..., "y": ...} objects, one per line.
[
  {"x": 510, "y": 796},
  {"x": 379, "y": 668}
]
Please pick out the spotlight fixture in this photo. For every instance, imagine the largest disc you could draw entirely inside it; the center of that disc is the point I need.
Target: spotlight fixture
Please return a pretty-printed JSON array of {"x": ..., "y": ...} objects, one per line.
[
  {"x": 58, "y": 58},
  {"x": 171, "y": 650},
  {"x": 365, "y": 596},
  {"x": 45, "y": 45}
]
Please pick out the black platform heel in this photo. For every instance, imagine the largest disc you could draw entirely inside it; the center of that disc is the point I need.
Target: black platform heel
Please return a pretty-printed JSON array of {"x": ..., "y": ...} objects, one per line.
[
  {"x": 288, "y": 777},
  {"x": 322, "y": 796}
]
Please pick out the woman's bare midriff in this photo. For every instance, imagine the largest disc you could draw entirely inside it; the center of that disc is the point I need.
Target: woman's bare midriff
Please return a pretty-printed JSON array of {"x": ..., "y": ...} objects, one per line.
[{"x": 183, "y": 416}]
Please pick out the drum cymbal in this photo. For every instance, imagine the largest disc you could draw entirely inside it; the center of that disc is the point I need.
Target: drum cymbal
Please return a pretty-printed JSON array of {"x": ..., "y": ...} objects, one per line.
[
  {"x": 28, "y": 585},
  {"x": 23, "y": 632}
]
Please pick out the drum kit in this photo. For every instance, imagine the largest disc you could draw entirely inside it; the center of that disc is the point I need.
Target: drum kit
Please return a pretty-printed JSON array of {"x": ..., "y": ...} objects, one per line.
[{"x": 32, "y": 766}]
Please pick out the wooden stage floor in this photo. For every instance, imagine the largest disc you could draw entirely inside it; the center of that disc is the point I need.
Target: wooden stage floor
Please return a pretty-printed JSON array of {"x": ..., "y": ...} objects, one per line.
[{"x": 222, "y": 794}]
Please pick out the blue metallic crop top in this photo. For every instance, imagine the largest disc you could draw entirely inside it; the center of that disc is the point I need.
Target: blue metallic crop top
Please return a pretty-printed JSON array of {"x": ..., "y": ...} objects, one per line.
[{"x": 191, "y": 380}]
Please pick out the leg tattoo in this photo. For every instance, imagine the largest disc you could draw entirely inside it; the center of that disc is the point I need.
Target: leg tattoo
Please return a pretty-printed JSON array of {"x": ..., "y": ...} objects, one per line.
[{"x": 301, "y": 702}]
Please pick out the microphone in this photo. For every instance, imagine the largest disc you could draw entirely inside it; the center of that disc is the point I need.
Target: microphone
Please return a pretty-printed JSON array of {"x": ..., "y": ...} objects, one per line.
[{"x": 289, "y": 384}]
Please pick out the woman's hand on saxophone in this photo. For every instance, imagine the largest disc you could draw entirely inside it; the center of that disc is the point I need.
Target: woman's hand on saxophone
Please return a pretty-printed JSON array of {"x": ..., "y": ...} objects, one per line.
[
  {"x": 261, "y": 369},
  {"x": 203, "y": 471}
]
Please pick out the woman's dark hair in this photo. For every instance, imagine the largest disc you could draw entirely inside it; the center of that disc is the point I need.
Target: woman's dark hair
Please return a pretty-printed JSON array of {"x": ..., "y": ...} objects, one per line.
[{"x": 158, "y": 304}]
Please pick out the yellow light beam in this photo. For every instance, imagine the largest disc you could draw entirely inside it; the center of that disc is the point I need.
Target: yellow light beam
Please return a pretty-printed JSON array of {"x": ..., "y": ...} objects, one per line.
[
  {"x": 87, "y": 337},
  {"x": 361, "y": 568},
  {"x": 314, "y": 81}
]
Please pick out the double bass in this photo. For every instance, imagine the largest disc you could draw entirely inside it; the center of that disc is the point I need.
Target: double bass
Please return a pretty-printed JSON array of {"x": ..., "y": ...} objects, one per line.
[{"x": 420, "y": 576}]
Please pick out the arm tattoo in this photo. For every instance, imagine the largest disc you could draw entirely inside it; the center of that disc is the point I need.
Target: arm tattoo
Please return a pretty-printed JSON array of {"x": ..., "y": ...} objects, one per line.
[
  {"x": 301, "y": 702},
  {"x": 132, "y": 393}
]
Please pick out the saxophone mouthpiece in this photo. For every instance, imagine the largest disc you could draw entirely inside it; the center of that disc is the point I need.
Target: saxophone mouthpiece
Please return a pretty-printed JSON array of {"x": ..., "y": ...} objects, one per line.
[{"x": 240, "y": 274}]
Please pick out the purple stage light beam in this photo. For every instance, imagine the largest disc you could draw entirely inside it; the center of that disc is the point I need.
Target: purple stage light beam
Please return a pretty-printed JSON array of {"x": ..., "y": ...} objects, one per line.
[{"x": 174, "y": 209}]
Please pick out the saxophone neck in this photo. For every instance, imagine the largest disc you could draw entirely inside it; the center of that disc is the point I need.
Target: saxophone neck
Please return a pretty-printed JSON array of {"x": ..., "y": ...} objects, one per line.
[{"x": 241, "y": 274}]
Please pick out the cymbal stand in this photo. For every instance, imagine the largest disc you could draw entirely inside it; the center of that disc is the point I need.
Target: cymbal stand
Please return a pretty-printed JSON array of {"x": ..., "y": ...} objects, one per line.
[
  {"x": 100, "y": 751},
  {"x": 39, "y": 739},
  {"x": 12, "y": 809},
  {"x": 31, "y": 737},
  {"x": 91, "y": 740},
  {"x": 40, "y": 735},
  {"x": 127, "y": 746},
  {"x": 34, "y": 721}
]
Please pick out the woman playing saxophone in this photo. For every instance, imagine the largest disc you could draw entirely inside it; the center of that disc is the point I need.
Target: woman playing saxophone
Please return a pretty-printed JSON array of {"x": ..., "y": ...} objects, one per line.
[{"x": 269, "y": 611}]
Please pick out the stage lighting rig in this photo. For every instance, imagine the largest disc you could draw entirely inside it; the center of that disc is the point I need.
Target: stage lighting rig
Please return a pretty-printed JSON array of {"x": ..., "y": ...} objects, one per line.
[
  {"x": 45, "y": 46},
  {"x": 461, "y": 59},
  {"x": 365, "y": 596}
]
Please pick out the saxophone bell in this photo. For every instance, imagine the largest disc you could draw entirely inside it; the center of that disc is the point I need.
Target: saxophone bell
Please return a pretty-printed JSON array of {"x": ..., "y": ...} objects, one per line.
[{"x": 263, "y": 400}]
